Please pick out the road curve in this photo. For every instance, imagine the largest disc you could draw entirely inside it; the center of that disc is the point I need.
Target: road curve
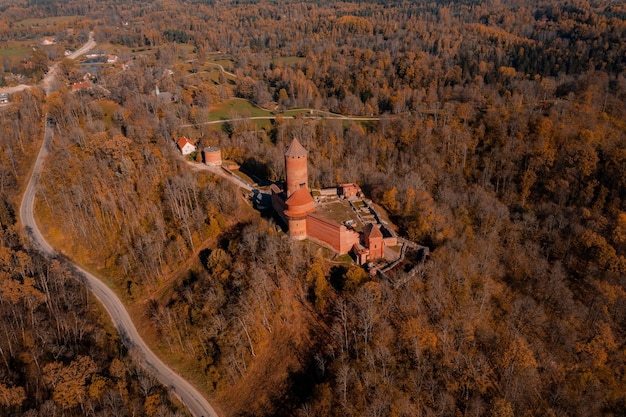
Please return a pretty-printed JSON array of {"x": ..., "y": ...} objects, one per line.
[{"x": 190, "y": 397}]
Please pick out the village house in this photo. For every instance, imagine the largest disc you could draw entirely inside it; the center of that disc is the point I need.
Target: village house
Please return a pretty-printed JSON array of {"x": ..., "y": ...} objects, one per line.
[
  {"x": 82, "y": 85},
  {"x": 186, "y": 146}
]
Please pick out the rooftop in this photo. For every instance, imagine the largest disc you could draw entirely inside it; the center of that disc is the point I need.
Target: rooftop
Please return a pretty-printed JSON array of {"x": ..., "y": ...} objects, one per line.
[
  {"x": 300, "y": 197},
  {"x": 372, "y": 230},
  {"x": 295, "y": 149},
  {"x": 183, "y": 141}
]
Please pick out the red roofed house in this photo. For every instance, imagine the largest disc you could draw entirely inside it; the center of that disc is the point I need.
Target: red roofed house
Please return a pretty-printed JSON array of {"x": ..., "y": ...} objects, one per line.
[
  {"x": 82, "y": 85},
  {"x": 186, "y": 146}
]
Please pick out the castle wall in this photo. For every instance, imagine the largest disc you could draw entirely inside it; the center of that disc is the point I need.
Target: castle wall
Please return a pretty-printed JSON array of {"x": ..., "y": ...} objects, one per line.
[
  {"x": 328, "y": 191},
  {"x": 278, "y": 203},
  {"x": 297, "y": 228},
  {"x": 330, "y": 233},
  {"x": 391, "y": 241}
]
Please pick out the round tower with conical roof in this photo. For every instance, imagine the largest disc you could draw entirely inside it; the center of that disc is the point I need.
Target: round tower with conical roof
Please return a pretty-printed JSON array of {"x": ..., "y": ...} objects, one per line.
[{"x": 296, "y": 167}]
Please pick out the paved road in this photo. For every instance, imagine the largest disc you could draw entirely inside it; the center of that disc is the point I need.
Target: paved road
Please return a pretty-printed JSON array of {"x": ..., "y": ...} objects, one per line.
[{"x": 189, "y": 396}]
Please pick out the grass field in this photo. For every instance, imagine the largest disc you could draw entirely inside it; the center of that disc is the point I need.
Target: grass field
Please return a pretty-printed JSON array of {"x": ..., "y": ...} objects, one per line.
[
  {"x": 16, "y": 49},
  {"x": 226, "y": 63},
  {"x": 48, "y": 21},
  {"x": 109, "y": 48},
  {"x": 236, "y": 106},
  {"x": 108, "y": 107},
  {"x": 211, "y": 75}
]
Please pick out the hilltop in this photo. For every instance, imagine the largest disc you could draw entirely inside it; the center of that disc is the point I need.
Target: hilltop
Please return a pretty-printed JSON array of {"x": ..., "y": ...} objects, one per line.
[{"x": 491, "y": 133}]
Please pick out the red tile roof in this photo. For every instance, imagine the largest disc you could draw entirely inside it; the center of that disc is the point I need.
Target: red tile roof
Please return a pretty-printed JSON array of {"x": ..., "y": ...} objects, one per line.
[
  {"x": 295, "y": 150},
  {"x": 372, "y": 230},
  {"x": 83, "y": 85},
  {"x": 300, "y": 197},
  {"x": 183, "y": 141}
]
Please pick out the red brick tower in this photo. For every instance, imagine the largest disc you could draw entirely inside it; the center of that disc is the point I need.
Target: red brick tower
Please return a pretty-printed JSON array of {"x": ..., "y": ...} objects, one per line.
[
  {"x": 296, "y": 167},
  {"x": 298, "y": 206},
  {"x": 373, "y": 239}
]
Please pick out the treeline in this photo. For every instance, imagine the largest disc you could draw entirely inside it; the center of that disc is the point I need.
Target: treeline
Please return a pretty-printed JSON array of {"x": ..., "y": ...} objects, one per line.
[
  {"x": 387, "y": 50},
  {"x": 519, "y": 192},
  {"x": 509, "y": 168},
  {"x": 523, "y": 206},
  {"x": 108, "y": 171},
  {"x": 59, "y": 355}
]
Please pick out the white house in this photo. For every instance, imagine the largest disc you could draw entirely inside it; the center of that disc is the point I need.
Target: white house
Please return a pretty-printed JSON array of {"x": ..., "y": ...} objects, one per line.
[{"x": 186, "y": 146}]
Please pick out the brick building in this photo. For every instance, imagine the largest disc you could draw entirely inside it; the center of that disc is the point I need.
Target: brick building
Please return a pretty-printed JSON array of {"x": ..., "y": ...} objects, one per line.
[
  {"x": 296, "y": 207},
  {"x": 212, "y": 156}
]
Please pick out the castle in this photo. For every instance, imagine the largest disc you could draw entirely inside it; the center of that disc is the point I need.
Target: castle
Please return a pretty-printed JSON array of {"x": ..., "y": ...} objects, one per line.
[{"x": 297, "y": 208}]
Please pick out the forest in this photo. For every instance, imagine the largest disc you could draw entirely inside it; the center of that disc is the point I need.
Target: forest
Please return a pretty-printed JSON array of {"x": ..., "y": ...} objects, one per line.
[
  {"x": 60, "y": 355},
  {"x": 499, "y": 143}
]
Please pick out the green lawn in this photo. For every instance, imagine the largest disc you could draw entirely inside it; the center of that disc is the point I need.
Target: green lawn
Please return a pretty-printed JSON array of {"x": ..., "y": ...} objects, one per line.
[
  {"x": 338, "y": 211},
  {"x": 16, "y": 49},
  {"x": 211, "y": 74},
  {"x": 243, "y": 176},
  {"x": 110, "y": 48},
  {"x": 226, "y": 63},
  {"x": 108, "y": 107},
  {"x": 48, "y": 21},
  {"x": 233, "y": 107}
]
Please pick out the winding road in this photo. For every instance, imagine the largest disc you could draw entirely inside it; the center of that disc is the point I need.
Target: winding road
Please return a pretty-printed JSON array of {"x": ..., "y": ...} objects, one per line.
[{"x": 190, "y": 397}]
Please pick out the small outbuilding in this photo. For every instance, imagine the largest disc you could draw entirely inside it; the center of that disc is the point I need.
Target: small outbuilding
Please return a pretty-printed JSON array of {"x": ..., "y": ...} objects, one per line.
[
  {"x": 212, "y": 156},
  {"x": 186, "y": 146},
  {"x": 349, "y": 190}
]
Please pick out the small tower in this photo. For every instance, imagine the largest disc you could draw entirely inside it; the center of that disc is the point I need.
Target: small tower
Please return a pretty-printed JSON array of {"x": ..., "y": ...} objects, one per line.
[
  {"x": 298, "y": 206},
  {"x": 296, "y": 167},
  {"x": 373, "y": 239},
  {"x": 212, "y": 156}
]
